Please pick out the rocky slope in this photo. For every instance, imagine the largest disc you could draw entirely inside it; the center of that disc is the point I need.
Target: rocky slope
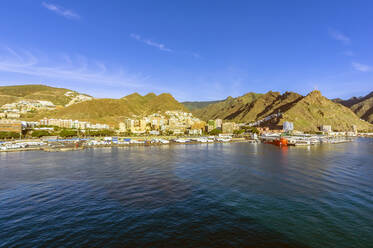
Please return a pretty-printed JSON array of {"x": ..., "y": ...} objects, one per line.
[
  {"x": 111, "y": 111},
  {"x": 315, "y": 110},
  {"x": 198, "y": 104},
  {"x": 58, "y": 96},
  {"x": 362, "y": 106},
  {"x": 308, "y": 113},
  {"x": 226, "y": 109}
]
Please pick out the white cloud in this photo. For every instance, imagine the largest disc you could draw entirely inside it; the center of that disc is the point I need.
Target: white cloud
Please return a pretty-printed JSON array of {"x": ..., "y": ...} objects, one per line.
[
  {"x": 69, "y": 14},
  {"x": 66, "y": 68},
  {"x": 339, "y": 36},
  {"x": 362, "y": 67},
  {"x": 148, "y": 42}
]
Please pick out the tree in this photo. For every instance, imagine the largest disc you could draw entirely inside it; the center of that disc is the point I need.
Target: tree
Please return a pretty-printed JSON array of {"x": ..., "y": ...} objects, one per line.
[
  {"x": 255, "y": 130},
  {"x": 9, "y": 135},
  {"x": 40, "y": 133},
  {"x": 68, "y": 133},
  {"x": 105, "y": 132},
  {"x": 169, "y": 132},
  {"x": 215, "y": 131},
  {"x": 240, "y": 131}
]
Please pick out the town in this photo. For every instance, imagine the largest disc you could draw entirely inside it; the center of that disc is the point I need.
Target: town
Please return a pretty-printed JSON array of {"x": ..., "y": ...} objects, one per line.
[{"x": 157, "y": 128}]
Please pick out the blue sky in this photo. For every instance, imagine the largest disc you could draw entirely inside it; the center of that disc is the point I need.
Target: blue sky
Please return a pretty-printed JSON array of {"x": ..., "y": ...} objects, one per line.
[{"x": 195, "y": 49}]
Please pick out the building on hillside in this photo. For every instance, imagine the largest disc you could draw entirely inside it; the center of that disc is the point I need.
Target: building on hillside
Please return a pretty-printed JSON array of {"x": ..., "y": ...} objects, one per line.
[
  {"x": 82, "y": 125},
  {"x": 229, "y": 127},
  {"x": 130, "y": 124},
  {"x": 326, "y": 128},
  {"x": 13, "y": 115},
  {"x": 199, "y": 125},
  {"x": 210, "y": 125},
  {"x": 10, "y": 126},
  {"x": 177, "y": 131},
  {"x": 30, "y": 124},
  {"x": 195, "y": 131},
  {"x": 154, "y": 132},
  {"x": 218, "y": 123},
  {"x": 354, "y": 129},
  {"x": 122, "y": 127},
  {"x": 288, "y": 126},
  {"x": 142, "y": 124}
]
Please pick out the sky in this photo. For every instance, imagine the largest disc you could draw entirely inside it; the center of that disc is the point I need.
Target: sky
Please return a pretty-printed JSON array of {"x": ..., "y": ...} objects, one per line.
[{"x": 193, "y": 49}]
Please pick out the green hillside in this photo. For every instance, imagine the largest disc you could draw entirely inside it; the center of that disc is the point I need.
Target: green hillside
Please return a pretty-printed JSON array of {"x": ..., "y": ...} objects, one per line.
[
  {"x": 198, "y": 104},
  {"x": 308, "y": 113},
  {"x": 112, "y": 111},
  {"x": 362, "y": 106},
  {"x": 226, "y": 109},
  {"x": 10, "y": 94},
  {"x": 265, "y": 105},
  {"x": 315, "y": 110}
]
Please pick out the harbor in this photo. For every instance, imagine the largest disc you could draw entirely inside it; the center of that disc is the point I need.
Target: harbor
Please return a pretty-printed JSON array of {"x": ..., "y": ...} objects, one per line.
[{"x": 76, "y": 144}]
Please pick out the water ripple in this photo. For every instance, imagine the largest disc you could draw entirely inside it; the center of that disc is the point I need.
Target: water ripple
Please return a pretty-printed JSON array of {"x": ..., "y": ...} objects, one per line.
[{"x": 207, "y": 195}]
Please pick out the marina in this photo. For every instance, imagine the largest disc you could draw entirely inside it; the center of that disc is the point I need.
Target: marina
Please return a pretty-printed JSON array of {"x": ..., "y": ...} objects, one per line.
[{"x": 75, "y": 144}]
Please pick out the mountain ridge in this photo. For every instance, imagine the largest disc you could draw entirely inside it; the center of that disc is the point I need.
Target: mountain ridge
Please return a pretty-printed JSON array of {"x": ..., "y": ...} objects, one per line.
[
  {"x": 362, "y": 106},
  {"x": 307, "y": 112}
]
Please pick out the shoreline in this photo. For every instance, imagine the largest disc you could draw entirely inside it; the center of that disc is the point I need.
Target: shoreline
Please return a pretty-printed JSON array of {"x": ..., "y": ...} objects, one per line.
[
  {"x": 72, "y": 146},
  {"x": 83, "y": 147}
]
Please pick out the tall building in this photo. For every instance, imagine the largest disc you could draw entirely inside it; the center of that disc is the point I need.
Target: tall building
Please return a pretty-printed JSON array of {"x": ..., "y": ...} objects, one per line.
[
  {"x": 288, "y": 126},
  {"x": 218, "y": 123},
  {"x": 210, "y": 125},
  {"x": 122, "y": 127},
  {"x": 229, "y": 127}
]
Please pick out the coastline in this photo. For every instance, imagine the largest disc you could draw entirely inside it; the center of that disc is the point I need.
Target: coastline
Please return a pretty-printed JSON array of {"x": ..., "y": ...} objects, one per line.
[
  {"x": 65, "y": 146},
  {"x": 83, "y": 147}
]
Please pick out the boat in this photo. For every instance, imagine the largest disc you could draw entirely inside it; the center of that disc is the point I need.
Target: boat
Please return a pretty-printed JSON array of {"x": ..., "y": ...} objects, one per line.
[
  {"x": 277, "y": 141},
  {"x": 302, "y": 143},
  {"x": 163, "y": 141}
]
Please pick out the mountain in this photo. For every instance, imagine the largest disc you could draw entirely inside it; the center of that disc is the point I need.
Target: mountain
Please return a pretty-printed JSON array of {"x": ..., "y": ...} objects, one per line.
[
  {"x": 225, "y": 109},
  {"x": 362, "y": 106},
  {"x": 111, "y": 111},
  {"x": 314, "y": 110},
  {"x": 266, "y": 105},
  {"x": 198, "y": 104},
  {"x": 58, "y": 96},
  {"x": 249, "y": 107},
  {"x": 307, "y": 113}
]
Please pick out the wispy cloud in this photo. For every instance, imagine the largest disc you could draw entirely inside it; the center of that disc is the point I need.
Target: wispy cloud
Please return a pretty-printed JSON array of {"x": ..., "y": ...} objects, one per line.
[
  {"x": 335, "y": 34},
  {"x": 67, "y": 68},
  {"x": 196, "y": 55},
  {"x": 362, "y": 67},
  {"x": 349, "y": 53},
  {"x": 69, "y": 14},
  {"x": 148, "y": 42}
]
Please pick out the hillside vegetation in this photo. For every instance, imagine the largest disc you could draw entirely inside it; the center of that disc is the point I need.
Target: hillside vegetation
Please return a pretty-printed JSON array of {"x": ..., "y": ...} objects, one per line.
[
  {"x": 362, "y": 106},
  {"x": 308, "y": 113},
  {"x": 198, "y": 104},
  {"x": 315, "y": 110},
  {"x": 111, "y": 111},
  {"x": 10, "y": 94},
  {"x": 225, "y": 109}
]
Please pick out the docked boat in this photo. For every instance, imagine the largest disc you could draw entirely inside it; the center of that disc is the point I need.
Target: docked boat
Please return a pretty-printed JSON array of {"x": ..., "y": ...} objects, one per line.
[{"x": 277, "y": 141}]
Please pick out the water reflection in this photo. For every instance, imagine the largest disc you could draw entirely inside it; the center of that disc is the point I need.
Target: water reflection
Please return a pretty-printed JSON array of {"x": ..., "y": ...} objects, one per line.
[{"x": 212, "y": 195}]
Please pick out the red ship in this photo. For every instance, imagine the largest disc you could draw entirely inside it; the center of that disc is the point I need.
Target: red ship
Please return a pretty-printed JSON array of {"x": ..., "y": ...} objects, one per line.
[{"x": 278, "y": 142}]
